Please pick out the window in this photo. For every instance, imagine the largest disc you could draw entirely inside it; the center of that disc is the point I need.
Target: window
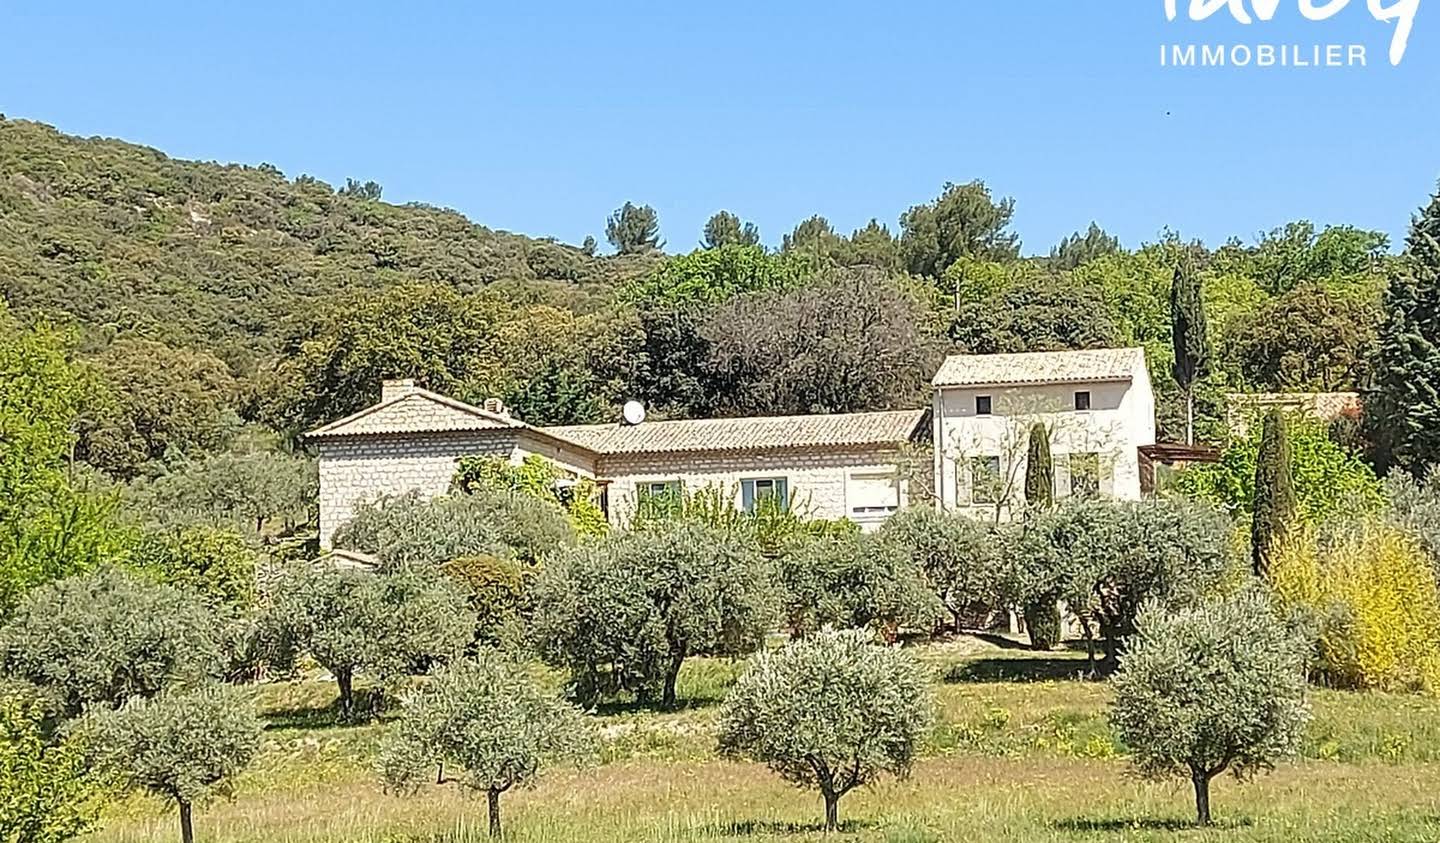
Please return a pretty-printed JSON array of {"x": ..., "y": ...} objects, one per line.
[
  {"x": 1084, "y": 475},
  {"x": 985, "y": 480},
  {"x": 873, "y": 495},
  {"x": 658, "y": 489},
  {"x": 1082, "y": 400},
  {"x": 982, "y": 405},
  {"x": 755, "y": 493},
  {"x": 659, "y": 497}
]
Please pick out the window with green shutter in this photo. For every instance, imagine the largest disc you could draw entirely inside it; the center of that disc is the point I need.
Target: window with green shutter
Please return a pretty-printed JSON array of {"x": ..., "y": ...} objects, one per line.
[{"x": 753, "y": 492}]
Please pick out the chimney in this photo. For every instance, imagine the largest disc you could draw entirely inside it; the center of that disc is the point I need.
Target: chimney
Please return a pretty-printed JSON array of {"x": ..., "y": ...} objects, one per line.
[
  {"x": 497, "y": 407},
  {"x": 396, "y": 388}
]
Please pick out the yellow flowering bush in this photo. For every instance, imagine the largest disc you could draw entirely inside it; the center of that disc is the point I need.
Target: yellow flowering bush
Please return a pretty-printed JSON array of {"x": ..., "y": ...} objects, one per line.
[{"x": 1373, "y": 597}]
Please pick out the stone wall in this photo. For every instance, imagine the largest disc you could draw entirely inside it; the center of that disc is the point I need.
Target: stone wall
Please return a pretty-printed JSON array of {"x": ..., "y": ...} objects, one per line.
[{"x": 364, "y": 468}]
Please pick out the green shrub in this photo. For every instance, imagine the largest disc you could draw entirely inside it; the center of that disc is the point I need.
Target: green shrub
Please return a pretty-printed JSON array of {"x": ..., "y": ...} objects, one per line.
[
  {"x": 854, "y": 581},
  {"x": 958, "y": 556},
  {"x": 48, "y": 793},
  {"x": 1372, "y": 595},
  {"x": 409, "y": 530},
  {"x": 496, "y": 589},
  {"x": 214, "y": 562}
]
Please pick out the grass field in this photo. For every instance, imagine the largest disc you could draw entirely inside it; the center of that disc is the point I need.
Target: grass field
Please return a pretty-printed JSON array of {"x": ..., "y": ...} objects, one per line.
[{"x": 1020, "y": 752}]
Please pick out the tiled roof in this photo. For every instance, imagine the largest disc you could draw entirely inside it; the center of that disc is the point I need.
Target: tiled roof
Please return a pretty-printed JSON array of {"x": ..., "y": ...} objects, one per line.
[
  {"x": 420, "y": 411},
  {"x": 1037, "y": 367},
  {"x": 746, "y": 434}
]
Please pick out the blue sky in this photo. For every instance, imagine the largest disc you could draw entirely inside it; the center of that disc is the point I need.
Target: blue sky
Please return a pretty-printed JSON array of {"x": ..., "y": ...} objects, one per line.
[{"x": 542, "y": 118}]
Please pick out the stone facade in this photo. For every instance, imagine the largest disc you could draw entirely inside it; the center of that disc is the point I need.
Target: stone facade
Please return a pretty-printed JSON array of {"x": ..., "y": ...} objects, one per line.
[
  {"x": 821, "y": 483},
  {"x": 833, "y": 466}
]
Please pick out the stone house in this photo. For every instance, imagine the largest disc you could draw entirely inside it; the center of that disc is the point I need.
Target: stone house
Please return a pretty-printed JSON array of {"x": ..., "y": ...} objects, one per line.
[
  {"x": 1097, "y": 406},
  {"x": 831, "y": 466}
]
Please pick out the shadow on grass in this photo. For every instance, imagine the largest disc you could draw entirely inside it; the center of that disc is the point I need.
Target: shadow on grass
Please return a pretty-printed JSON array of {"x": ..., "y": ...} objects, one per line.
[
  {"x": 370, "y": 707},
  {"x": 614, "y": 707},
  {"x": 768, "y": 828},
  {"x": 1040, "y": 667},
  {"x": 1111, "y": 825}
]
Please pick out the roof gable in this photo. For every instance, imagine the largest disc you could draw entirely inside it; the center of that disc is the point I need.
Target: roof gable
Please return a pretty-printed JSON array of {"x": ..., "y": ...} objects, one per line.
[{"x": 420, "y": 411}]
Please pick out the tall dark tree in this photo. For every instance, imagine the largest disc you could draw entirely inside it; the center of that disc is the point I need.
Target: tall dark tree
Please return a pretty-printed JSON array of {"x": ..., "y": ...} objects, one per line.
[
  {"x": 634, "y": 229},
  {"x": 726, "y": 229},
  {"x": 1408, "y": 366},
  {"x": 814, "y": 237},
  {"x": 1039, "y": 468},
  {"x": 1081, "y": 248},
  {"x": 1274, "y": 505},
  {"x": 965, "y": 221},
  {"x": 1042, "y": 616},
  {"x": 1189, "y": 333}
]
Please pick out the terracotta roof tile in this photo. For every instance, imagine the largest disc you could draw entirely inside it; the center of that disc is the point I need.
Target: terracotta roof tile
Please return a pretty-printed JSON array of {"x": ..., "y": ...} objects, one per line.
[
  {"x": 746, "y": 434},
  {"x": 1037, "y": 367}
]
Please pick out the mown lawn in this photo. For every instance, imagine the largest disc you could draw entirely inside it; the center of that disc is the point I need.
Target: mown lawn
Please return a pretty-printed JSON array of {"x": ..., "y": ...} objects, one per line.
[{"x": 1020, "y": 752}]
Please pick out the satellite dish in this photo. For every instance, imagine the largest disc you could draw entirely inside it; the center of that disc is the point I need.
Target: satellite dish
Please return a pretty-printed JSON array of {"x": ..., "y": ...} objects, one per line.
[{"x": 634, "y": 412}]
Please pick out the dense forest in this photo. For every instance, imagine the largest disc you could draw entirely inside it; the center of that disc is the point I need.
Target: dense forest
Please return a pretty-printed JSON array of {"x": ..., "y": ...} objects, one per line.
[{"x": 223, "y": 304}]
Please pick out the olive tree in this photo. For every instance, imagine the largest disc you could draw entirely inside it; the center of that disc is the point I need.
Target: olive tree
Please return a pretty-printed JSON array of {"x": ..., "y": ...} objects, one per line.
[
  {"x": 355, "y": 621},
  {"x": 411, "y": 530},
  {"x": 624, "y": 613},
  {"x": 181, "y": 744},
  {"x": 102, "y": 637},
  {"x": 831, "y": 712},
  {"x": 1107, "y": 558},
  {"x": 957, "y": 555},
  {"x": 488, "y": 720},
  {"x": 851, "y": 581},
  {"x": 1213, "y": 688}
]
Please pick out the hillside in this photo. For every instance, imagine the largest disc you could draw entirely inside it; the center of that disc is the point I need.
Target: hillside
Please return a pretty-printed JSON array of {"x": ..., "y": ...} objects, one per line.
[{"x": 129, "y": 241}]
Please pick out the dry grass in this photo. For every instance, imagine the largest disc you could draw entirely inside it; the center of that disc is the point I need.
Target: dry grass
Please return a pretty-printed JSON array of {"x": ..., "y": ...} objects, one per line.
[{"x": 1009, "y": 760}]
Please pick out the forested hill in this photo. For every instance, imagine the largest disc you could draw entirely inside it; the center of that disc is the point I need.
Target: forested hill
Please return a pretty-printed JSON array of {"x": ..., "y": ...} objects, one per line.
[
  {"x": 211, "y": 298},
  {"x": 131, "y": 242}
]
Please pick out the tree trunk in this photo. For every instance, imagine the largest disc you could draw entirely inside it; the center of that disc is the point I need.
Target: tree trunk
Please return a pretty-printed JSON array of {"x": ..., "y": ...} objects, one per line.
[
  {"x": 832, "y": 811},
  {"x": 494, "y": 800},
  {"x": 672, "y": 676},
  {"x": 346, "y": 680},
  {"x": 1190, "y": 416},
  {"x": 1202, "y": 798},
  {"x": 187, "y": 831}
]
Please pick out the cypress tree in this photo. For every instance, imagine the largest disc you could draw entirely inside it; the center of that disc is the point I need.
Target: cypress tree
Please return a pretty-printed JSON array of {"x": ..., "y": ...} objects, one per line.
[
  {"x": 1039, "y": 468},
  {"x": 1274, "y": 505},
  {"x": 1042, "y": 615},
  {"x": 1407, "y": 400},
  {"x": 1190, "y": 334}
]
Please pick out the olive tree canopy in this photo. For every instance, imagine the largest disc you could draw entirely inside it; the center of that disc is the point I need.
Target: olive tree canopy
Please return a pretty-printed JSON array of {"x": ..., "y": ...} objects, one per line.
[
  {"x": 180, "y": 744},
  {"x": 102, "y": 637},
  {"x": 1214, "y": 688},
  {"x": 489, "y": 720},
  {"x": 831, "y": 712}
]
